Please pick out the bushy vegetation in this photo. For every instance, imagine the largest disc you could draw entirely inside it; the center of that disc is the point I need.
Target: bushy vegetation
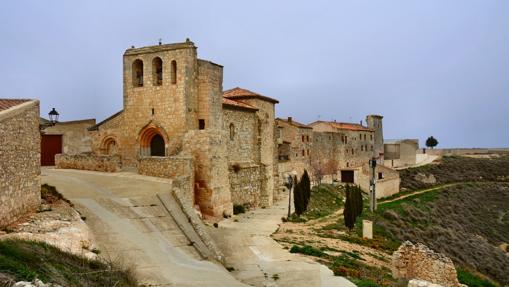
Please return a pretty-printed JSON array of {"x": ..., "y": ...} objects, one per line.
[
  {"x": 238, "y": 209},
  {"x": 26, "y": 260},
  {"x": 472, "y": 280},
  {"x": 458, "y": 169},
  {"x": 324, "y": 200},
  {"x": 307, "y": 250},
  {"x": 466, "y": 222},
  {"x": 350, "y": 265},
  {"x": 50, "y": 195}
]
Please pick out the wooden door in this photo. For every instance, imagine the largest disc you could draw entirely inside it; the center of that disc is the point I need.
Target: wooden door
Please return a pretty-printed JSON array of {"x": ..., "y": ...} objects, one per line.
[{"x": 50, "y": 146}]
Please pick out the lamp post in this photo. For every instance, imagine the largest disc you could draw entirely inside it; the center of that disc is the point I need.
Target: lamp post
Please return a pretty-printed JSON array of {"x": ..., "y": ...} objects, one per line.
[{"x": 53, "y": 116}]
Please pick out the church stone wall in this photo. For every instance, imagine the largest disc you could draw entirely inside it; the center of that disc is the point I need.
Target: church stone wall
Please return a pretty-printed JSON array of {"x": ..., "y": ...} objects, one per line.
[
  {"x": 246, "y": 184},
  {"x": 212, "y": 189},
  {"x": 242, "y": 142},
  {"x": 268, "y": 147},
  {"x": 20, "y": 167}
]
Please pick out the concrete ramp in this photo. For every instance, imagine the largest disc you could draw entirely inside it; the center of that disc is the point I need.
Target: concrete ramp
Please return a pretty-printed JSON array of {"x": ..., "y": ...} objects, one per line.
[{"x": 137, "y": 221}]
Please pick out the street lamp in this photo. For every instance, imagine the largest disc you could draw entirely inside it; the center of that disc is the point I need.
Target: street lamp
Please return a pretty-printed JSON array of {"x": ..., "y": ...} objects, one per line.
[{"x": 53, "y": 116}]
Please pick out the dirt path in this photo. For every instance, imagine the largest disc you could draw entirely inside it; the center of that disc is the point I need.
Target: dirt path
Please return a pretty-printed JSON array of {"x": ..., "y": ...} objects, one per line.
[{"x": 420, "y": 192}]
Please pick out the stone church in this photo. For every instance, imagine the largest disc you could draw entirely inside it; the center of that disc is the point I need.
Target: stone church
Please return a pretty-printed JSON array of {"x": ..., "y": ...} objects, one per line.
[{"x": 177, "y": 121}]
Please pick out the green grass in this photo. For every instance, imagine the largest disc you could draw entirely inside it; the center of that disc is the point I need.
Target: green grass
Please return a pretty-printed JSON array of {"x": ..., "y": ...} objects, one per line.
[
  {"x": 325, "y": 200},
  {"x": 27, "y": 260},
  {"x": 472, "y": 280}
]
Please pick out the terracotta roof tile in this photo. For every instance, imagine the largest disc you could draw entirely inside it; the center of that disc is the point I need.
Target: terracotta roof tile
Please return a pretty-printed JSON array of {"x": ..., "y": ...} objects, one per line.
[
  {"x": 239, "y": 93},
  {"x": 294, "y": 123},
  {"x": 9, "y": 103},
  {"x": 348, "y": 126},
  {"x": 237, "y": 104}
]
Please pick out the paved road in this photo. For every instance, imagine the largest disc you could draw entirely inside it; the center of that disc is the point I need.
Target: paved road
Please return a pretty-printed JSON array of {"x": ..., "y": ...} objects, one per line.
[
  {"x": 130, "y": 223},
  {"x": 260, "y": 261}
]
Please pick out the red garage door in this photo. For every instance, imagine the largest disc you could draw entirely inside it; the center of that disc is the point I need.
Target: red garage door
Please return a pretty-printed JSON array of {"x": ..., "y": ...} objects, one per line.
[{"x": 50, "y": 146}]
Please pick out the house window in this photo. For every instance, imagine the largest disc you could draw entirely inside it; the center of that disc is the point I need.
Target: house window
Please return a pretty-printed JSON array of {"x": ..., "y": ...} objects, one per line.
[
  {"x": 371, "y": 148},
  {"x": 303, "y": 138},
  {"x": 303, "y": 153},
  {"x": 173, "y": 72},
  {"x": 157, "y": 71},
  {"x": 380, "y": 175},
  {"x": 137, "y": 76},
  {"x": 232, "y": 131},
  {"x": 201, "y": 124},
  {"x": 307, "y": 138},
  {"x": 308, "y": 152},
  {"x": 371, "y": 137},
  {"x": 352, "y": 151}
]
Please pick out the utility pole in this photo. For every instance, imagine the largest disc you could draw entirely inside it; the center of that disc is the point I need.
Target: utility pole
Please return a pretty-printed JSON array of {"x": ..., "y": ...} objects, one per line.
[{"x": 372, "y": 186}]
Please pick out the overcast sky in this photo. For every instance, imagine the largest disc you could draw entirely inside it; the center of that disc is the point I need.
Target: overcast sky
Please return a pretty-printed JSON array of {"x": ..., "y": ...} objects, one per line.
[{"x": 430, "y": 67}]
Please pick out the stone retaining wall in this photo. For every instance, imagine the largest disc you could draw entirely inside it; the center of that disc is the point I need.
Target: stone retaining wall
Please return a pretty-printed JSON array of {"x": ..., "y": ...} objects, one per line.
[
  {"x": 20, "y": 167},
  {"x": 246, "y": 183},
  {"x": 89, "y": 161},
  {"x": 178, "y": 168}
]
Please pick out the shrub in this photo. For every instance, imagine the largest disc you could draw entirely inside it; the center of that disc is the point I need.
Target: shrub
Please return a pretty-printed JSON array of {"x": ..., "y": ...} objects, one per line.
[
  {"x": 307, "y": 250},
  {"x": 472, "y": 280},
  {"x": 239, "y": 208}
]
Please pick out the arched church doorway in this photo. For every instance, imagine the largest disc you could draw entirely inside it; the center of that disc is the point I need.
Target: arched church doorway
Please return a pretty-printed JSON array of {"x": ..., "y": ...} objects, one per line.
[
  {"x": 157, "y": 146},
  {"x": 153, "y": 141}
]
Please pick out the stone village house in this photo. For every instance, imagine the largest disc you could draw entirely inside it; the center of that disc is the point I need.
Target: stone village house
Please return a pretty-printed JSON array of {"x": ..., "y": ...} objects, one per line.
[
  {"x": 335, "y": 151},
  {"x": 20, "y": 186}
]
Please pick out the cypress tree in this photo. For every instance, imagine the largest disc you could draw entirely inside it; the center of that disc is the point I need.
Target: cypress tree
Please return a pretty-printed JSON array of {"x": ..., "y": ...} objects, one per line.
[
  {"x": 353, "y": 205},
  {"x": 298, "y": 198},
  {"x": 306, "y": 189},
  {"x": 348, "y": 211}
]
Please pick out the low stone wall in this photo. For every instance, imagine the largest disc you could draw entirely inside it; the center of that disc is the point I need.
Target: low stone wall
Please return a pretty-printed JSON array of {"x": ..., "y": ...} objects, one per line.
[
  {"x": 419, "y": 262},
  {"x": 246, "y": 183},
  {"x": 20, "y": 167},
  {"x": 89, "y": 161},
  {"x": 166, "y": 167}
]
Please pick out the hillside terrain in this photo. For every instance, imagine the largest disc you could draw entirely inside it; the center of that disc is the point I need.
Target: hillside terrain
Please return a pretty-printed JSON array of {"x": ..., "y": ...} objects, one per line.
[{"x": 463, "y": 213}]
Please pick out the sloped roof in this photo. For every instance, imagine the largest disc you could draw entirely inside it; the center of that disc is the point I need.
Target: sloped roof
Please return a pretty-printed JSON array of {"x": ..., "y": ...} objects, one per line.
[
  {"x": 9, "y": 103},
  {"x": 237, "y": 104},
  {"x": 239, "y": 93},
  {"x": 294, "y": 123},
  {"x": 347, "y": 126},
  {"x": 96, "y": 126}
]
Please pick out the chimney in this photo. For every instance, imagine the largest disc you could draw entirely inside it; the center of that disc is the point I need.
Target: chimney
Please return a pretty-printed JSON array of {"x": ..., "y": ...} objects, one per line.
[
  {"x": 289, "y": 119},
  {"x": 361, "y": 122}
]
